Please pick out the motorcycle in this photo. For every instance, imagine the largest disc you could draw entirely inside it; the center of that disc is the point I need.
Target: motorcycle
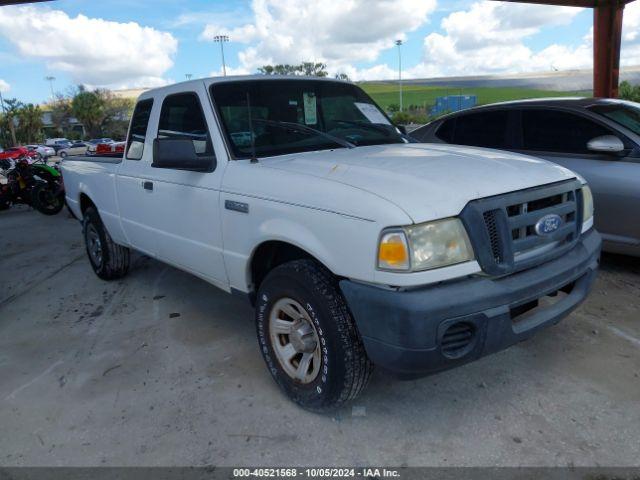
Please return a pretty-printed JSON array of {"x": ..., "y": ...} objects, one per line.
[{"x": 35, "y": 184}]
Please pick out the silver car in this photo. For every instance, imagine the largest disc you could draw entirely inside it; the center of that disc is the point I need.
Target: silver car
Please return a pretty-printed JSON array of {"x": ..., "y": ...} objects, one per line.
[
  {"x": 597, "y": 138},
  {"x": 75, "y": 148}
]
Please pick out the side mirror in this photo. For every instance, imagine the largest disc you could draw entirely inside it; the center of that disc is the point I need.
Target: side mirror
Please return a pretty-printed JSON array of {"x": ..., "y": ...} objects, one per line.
[
  {"x": 180, "y": 154},
  {"x": 606, "y": 144},
  {"x": 402, "y": 128}
]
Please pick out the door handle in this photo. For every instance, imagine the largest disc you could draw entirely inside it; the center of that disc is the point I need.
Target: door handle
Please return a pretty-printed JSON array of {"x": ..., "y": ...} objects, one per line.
[{"x": 147, "y": 185}]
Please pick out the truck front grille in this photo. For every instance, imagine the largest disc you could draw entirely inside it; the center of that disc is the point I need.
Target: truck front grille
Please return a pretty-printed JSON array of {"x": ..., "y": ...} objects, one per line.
[{"x": 516, "y": 230}]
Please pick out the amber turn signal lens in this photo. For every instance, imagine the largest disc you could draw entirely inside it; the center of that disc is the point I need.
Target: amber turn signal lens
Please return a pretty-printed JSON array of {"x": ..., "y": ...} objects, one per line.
[{"x": 393, "y": 253}]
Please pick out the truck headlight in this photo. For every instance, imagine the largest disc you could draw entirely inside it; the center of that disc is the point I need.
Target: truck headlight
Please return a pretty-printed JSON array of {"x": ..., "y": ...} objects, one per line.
[
  {"x": 587, "y": 203},
  {"x": 425, "y": 246}
]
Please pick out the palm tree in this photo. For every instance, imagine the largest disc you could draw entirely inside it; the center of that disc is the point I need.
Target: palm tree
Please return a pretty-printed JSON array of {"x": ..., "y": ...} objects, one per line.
[{"x": 30, "y": 126}]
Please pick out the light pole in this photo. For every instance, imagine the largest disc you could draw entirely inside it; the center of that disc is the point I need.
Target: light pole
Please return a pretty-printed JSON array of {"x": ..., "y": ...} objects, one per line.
[
  {"x": 221, "y": 39},
  {"x": 188, "y": 76},
  {"x": 50, "y": 79},
  {"x": 399, "y": 44}
]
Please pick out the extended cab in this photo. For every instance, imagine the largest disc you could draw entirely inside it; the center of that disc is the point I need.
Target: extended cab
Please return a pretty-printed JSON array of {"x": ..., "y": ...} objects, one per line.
[{"x": 356, "y": 245}]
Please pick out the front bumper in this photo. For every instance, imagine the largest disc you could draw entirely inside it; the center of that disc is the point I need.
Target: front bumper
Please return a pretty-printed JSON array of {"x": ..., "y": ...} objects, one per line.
[{"x": 424, "y": 330}]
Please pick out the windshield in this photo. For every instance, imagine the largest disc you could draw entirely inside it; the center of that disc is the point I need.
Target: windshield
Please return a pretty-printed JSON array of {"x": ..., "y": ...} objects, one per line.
[
  {"x": 257, "y": 110},
  {"x": 625, "y": 114}
]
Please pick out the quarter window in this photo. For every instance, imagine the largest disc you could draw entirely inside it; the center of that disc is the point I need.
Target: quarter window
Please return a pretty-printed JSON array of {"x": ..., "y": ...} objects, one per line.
[
  {"x": 182, "y": 117},
  {"x": 556, "y": 131},
  {"x": 138, "y": 131}
]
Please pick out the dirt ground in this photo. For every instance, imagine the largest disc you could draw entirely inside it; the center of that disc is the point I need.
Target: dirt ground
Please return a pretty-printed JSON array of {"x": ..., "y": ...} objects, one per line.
[{"x": 163, "y": 369}]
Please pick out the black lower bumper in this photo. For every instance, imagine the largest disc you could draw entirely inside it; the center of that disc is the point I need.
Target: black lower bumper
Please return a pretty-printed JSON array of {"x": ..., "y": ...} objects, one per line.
[{"x": 420, "y": 331}]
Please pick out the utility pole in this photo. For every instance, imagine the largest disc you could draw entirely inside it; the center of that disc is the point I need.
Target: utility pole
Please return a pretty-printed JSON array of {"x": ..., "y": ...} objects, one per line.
[
  {"x": 399, "y": 44},
  {"x": 221, "y": 39},
  {"x": 4, "y": 114},
  {"x": 50, "y": 79}
]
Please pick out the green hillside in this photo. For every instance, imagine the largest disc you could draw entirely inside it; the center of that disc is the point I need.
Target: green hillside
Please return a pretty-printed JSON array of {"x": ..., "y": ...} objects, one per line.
[{"x": 386, "y": 94}]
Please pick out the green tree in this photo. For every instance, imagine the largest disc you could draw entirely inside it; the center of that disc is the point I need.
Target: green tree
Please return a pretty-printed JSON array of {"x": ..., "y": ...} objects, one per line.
[
  {"x": 61, "y": 114},
  {"x": 9, "y": 118},
  {"x": 90, "y": 110},
  {"x": 312, "y": 69},
  {"x": 279, "y": 69},
  {"x": 29, "y": 124},
  {"x": 629, "y": 92},
  {"x": 118, "y": 111},
  {"x": 305, "y": 68}
]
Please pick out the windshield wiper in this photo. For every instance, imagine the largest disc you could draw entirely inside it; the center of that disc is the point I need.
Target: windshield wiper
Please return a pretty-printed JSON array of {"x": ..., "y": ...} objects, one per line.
[
  {"x": 371, "y": 126},
  {"x": 303, "y": 128},
  {"x": 380, "y": 127}
]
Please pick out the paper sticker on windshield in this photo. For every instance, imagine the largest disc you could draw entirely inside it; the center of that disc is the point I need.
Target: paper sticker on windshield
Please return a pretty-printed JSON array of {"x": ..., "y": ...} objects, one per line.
[
  {"x": 372, "y": 113},
  {"x": 310, "y": 116}
]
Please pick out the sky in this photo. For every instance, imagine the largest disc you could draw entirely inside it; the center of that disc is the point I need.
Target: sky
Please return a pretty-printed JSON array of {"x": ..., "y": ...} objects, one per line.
[{"x": 148, "y": 43}]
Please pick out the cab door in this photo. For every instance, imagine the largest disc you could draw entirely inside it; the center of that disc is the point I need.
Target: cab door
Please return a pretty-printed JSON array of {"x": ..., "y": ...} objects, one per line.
[
  {"x": 185, "y": 203},
  {"x": 135, "y": 203}
]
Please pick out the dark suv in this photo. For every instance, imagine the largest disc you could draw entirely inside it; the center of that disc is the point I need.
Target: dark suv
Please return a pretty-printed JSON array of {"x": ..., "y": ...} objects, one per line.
[{"x": 597, "y": 138}]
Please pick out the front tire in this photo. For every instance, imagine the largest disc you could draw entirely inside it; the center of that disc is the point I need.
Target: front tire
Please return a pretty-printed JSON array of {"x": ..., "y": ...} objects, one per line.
[
  {"x": 308, "y": 338},
  {"x": 109, "y": 260}
]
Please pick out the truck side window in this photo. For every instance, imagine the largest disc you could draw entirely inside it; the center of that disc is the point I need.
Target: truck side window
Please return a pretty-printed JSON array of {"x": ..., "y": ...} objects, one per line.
[
  {"x": 182, "y": 117},
  {"x": 556, "y": 131},
  {"x": 485, "y": 129},
  {"x": 139, "y": 123}
]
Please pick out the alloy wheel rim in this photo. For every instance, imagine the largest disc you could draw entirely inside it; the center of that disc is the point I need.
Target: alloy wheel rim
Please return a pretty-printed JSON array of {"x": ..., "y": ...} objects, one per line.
[
  {"x": 295, "y": 340},
  {"x": 94, "y": 245}
]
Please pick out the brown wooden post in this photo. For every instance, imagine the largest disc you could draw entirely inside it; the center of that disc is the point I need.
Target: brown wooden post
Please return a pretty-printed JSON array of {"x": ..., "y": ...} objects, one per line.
[{"x": 607, "y": 36}]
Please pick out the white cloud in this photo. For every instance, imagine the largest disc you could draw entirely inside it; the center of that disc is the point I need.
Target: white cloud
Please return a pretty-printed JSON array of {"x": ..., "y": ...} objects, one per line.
[
  {"x": 4, "y": 86},
  {"x": 347, "y": 32},
  {"x": 92, "y": 50},
  {"x": 630, "y": 54},
  {"x": 489, "y": 38}
]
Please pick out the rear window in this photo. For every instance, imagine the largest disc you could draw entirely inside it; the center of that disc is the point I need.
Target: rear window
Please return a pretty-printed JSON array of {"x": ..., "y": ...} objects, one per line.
[
  {"x": 483, "y": 129},
  {"x": 138, "y": 131}
]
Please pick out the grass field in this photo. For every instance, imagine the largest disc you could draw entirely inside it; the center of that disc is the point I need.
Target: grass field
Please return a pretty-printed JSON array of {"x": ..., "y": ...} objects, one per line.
[{"x": 386, "y": 94}]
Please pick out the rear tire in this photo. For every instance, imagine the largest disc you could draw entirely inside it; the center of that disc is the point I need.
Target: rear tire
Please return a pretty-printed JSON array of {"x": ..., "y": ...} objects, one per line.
[
  {"x": 311, "y": 294},
  {"x": 109, "y": 260}
]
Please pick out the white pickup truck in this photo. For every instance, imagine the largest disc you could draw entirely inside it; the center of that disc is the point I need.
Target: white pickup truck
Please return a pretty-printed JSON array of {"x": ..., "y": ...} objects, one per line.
[{"x": 357, "y": 246}]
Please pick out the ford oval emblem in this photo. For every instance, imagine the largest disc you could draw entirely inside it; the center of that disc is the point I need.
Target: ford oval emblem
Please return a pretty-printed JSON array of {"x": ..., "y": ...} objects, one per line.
[{"x": 548, "y": 224}]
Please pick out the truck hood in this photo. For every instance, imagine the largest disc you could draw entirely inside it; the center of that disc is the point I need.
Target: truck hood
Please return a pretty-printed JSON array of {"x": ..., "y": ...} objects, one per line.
[{"x": 427, "y": 181}]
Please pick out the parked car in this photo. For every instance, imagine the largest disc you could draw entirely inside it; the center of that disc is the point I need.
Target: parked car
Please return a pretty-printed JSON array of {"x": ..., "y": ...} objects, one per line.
[
  {"x": 108, "y": 148},
  {"x": 43, "y": 151},
  {"x": 58, "y": 143},
  {"x": 355, "y": 246},
  {"x": 95, "y": 141},
  {"x": 75, "y": 148},
  {"x": 93, "y": 144},
  {"x": 15, "y": 153},
  {"x": 597, "y": 138}
]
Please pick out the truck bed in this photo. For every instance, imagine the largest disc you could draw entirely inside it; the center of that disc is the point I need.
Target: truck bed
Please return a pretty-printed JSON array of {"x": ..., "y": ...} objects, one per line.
[{"x": 106, "y": 158}]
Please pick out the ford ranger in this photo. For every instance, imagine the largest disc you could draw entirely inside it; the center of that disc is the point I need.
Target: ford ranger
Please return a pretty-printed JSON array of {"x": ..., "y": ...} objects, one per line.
[{"x": 356, "y": 245}]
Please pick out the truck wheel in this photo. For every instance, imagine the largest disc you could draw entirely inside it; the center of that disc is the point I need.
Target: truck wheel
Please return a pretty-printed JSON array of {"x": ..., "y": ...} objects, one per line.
[
  {"x": 308, "y": 338},
  {"x": 108, "y": 259}
]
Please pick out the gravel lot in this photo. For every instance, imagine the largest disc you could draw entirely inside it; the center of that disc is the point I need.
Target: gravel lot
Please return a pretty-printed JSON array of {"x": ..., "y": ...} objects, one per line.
[{"x": 163, "y": 369}]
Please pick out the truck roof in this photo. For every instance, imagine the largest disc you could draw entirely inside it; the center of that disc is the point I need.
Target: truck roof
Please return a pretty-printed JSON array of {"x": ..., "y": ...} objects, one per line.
[{"x": 233, "y": 78}]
